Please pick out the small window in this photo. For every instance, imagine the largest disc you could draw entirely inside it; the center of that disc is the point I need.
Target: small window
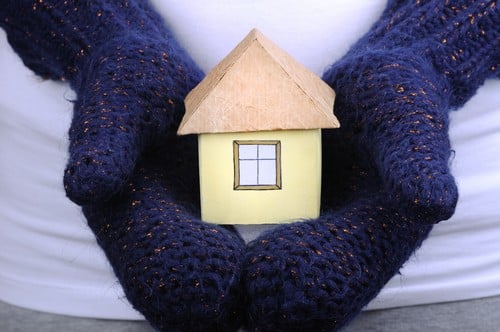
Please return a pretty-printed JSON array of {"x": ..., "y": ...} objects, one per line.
[{"x": 257, "y": 165}]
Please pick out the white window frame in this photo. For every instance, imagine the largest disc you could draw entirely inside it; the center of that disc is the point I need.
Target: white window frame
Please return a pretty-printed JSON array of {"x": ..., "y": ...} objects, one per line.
[{"x": 238, "y": 159}]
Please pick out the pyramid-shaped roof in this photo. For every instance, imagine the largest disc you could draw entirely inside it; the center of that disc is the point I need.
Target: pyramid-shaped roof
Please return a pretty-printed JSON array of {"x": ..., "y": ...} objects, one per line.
[{"x": 258, "y": 87}]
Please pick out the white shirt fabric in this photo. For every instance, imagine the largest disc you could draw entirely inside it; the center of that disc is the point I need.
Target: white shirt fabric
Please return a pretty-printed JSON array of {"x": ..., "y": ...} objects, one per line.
[{"x": 49, "y": 259}]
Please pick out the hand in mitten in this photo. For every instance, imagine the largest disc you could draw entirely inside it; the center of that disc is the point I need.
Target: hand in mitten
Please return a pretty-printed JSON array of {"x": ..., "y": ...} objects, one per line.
[
  {"x": 386, "y": 178},
  {"x": 127, "y": 70},
  {"x": 127, "y": 168}
]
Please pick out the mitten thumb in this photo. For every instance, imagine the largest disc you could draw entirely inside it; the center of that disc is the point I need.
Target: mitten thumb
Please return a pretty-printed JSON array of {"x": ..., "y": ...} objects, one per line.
[
  {"x": 397, "y": 104},
  {"x": 129, "y": 99}
]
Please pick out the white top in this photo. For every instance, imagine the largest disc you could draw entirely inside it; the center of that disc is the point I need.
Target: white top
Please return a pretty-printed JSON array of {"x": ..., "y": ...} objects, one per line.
[{"x": 49, "y": 259}]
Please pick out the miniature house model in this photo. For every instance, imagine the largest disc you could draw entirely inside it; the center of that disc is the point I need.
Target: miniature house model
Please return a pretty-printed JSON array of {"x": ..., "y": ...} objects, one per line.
[{"x": 258, "y": 115}]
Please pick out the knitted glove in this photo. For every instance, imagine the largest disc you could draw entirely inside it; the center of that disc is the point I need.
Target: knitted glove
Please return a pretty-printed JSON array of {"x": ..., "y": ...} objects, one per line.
[
  {"x": 127, "y": 167},
  {"x": 181, "y": 273},
  {"x": 386, "y": 176},
  {"x": 129, "y": 74}
]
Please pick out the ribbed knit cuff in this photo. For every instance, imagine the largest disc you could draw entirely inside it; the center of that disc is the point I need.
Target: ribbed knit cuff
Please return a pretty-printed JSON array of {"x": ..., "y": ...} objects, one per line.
[
  {"x": 460, "y": 38},
  {"x": 54, "y": 38}
]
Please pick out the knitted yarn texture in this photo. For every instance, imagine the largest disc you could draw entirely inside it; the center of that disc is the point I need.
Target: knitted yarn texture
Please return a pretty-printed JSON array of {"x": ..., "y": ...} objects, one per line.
[
  {"x": 134, "y": 178},
  {"x": 129, "y": 73},
  {"x": 386, "y": 178}
]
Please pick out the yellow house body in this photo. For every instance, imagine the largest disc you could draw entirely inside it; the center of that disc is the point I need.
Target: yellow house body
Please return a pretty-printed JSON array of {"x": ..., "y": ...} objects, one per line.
[{"x": 258, "y": 114}]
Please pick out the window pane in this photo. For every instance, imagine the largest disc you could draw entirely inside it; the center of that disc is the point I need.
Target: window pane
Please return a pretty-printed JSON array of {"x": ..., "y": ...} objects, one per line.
[
  {"x": 248, "y": 172},
  {"x": 267, "y": 151},
  {"x": 247, "y": 151},
  {"x": 267, "y": 172}
]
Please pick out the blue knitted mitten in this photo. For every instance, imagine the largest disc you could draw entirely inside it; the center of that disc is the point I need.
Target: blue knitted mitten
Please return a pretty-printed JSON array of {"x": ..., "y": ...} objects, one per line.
[
  {"x": 134, "y": 178},
  {"x": 386, "y": 176}
]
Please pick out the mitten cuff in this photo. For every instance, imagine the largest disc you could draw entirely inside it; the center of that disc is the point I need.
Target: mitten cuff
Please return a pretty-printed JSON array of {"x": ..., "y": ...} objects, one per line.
[
  {"x": 55, "y": 37},
  {"x": 460, "y": 38}
]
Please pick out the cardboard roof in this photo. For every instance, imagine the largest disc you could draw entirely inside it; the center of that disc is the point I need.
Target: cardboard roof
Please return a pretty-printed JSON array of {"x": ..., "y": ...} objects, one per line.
[{"x": 258, "y": 87}]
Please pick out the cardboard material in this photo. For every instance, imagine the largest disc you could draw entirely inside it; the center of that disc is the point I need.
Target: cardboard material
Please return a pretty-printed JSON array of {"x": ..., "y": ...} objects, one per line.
[
  {"x": 298, "y": 198},
  {"x": 259, "y": 115},
  {"x": 258, "y": 87}
]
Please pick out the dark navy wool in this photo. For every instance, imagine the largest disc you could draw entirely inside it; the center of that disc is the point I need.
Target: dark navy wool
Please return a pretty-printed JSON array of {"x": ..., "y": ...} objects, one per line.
[
  {"x": 386, "y": 178},
  {"x": 135, "y": 179}
]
